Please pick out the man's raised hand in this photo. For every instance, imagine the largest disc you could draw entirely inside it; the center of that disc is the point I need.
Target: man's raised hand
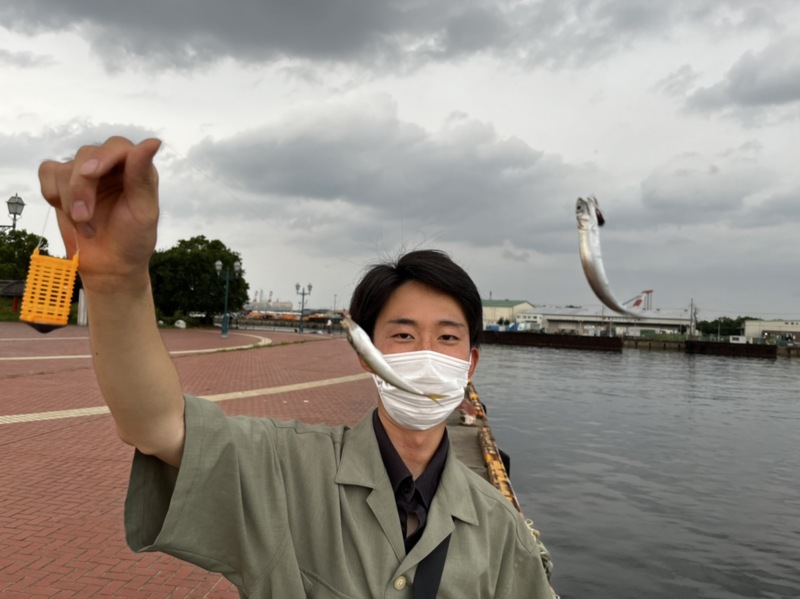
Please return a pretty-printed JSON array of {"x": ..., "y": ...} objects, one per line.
[{"x": 106, "y": 200}]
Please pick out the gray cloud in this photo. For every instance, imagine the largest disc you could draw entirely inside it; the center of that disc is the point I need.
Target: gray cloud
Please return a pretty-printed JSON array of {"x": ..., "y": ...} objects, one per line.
[
  {"x": 679, "y": 82},
  {"x": 341, "y": 178},
  {"x": 27, "y": 150},
  {"x": 776, "y": 210},
  {"x": 758, "y": 79},
  {"x": 191, "y": 33},
  {"x": 693, "y": 189},
  {"x": 510, "y": 253},
  {"x": 463, "y": 181},
  {"x": 186, "y": 34},
  {"x": 24, "y": 59}
]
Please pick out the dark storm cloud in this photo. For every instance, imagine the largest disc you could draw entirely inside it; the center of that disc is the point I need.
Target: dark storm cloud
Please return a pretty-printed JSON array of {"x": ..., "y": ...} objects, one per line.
[
  {"x": 377, "y": 171},
  {"x": 189, "y": 33},
  {"x": 767, "y": 78},
  {"x": 193, "y": 33}
]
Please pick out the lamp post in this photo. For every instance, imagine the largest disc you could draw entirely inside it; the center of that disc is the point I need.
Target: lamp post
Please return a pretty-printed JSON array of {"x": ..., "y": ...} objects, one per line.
[
  {"x": 15, "y": 207},
  {"x": 302, "y": 292},
  {"x": 237, "y": 266}
]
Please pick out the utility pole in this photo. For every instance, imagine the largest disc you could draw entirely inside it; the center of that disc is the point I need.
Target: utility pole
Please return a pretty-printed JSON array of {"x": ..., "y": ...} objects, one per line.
[{"x": 302, "y": 292}]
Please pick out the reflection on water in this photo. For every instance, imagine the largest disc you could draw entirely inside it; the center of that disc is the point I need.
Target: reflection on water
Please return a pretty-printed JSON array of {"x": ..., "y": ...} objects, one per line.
[{"x": 653, "y": 474}]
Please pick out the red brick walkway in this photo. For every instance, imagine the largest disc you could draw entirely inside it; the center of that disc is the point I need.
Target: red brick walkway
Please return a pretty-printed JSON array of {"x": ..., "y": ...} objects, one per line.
[{"x": 63, "y": 480}]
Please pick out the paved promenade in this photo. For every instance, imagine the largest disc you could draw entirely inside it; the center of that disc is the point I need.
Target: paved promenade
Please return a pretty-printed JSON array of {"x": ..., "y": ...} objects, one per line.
[{"x": 63, "y": 471}]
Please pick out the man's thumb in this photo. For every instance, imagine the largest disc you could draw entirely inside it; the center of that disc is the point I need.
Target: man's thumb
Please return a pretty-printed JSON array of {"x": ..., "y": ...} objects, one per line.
[{"x": 140, "y": 172}]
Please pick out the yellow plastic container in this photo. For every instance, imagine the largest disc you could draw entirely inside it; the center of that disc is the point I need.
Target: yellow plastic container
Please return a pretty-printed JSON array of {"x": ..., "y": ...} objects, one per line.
[{"x": 48, "y": 291}]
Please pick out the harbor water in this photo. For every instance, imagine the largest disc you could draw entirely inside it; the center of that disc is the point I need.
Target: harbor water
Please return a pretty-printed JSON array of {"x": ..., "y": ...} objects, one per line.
[{"x": 653, "y": 474}]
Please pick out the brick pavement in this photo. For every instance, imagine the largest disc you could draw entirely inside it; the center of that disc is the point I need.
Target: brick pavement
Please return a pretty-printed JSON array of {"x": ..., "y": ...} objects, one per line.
[{"x": 63, "y": 480}]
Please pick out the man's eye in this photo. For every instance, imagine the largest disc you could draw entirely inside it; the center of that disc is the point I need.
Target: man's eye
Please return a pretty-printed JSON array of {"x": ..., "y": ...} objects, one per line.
[
  {"x": 449, "y": 338},
  {"x": 403, "y": 336}
]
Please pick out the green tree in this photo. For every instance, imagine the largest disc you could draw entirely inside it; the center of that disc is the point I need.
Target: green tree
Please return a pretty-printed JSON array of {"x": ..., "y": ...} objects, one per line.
[
  {"x": 184, "y": 278},
  {"x": 16, "y": 247},
  {"x": 723, "y": 326}
]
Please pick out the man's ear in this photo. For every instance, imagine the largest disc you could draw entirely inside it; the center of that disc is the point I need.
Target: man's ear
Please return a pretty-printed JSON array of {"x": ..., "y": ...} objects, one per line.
[
  {"x": 474, "y": 355},
  {"x": 364, "y": 365}
]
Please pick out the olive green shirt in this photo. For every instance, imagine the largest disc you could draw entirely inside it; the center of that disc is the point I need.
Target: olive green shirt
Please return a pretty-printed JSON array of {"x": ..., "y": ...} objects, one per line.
[{"x": 291, "y": 510}]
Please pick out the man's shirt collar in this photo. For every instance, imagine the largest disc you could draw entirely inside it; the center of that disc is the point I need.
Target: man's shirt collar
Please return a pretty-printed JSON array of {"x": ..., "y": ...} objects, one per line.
[{"x": 398, "y": 472}]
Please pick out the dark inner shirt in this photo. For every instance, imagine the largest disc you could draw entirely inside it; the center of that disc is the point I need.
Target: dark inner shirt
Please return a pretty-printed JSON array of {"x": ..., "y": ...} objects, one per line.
[{"x": 412, "y": 496}]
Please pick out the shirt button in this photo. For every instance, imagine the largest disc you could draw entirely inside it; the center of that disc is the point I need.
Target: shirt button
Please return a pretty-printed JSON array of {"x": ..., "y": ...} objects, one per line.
[{"x": 400, "y": 583}]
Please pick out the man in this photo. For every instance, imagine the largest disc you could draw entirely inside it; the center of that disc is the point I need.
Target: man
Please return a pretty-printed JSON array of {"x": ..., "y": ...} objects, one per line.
[{"x": 285, "y": 509}]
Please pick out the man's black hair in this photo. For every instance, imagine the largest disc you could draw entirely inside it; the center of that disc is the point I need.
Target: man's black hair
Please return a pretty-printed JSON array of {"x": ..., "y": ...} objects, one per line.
[{"x": 430, "y": 267}]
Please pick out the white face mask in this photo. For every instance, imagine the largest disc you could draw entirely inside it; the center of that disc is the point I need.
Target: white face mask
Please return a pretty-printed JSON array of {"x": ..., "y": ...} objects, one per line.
[{"x": 428, "y": 371}]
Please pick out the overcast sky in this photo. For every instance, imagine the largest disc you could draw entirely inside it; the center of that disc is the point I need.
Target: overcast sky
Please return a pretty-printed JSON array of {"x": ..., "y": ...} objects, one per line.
[{"x": 318, "y": 136}]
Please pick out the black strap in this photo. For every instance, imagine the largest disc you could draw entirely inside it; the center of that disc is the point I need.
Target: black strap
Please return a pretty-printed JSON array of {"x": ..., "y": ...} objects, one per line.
[{"x": 429, "y": 572}]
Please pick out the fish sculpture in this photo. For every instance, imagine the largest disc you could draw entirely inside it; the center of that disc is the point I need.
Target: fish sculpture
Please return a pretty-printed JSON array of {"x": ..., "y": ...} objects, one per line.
[
  {"x": 364, "y": 347},
  {"x": 590, "y": 219}
]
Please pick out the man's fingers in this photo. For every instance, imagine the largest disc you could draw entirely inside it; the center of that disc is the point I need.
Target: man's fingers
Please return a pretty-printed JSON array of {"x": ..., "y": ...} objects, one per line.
[
  {"x": 48, "y": 182},
  {"x": 140, "y": 173},
  {"x": 54, "y": 182},
  {"x": 67, "y": 233},
  {"x": 50, "y": 172},
  {"x": 109, "y": 171},
  {"x": 91, "y": 164}
]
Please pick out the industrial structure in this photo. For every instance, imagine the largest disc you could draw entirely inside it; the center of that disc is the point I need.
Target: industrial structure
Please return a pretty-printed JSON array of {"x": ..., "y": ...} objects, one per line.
[
  {"x": 601, "y": 321},
  {"x": 772, "y": 331},
  {"x": 495, "y": 311},
  {"x": 521, "y": 315}
]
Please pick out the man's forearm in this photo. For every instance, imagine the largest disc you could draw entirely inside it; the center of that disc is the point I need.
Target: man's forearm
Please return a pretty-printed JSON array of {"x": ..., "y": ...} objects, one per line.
[{"x": 136, "y": 375}]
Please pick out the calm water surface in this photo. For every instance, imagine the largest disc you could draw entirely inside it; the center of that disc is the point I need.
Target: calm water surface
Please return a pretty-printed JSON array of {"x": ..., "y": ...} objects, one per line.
[{"x": 652, "y": 474}]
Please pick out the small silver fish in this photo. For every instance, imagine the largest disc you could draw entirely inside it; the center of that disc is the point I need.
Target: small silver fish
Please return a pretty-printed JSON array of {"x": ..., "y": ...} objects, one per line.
[
  {"x": 364, "y": 347},
  {"x": 590, "y": 219}
]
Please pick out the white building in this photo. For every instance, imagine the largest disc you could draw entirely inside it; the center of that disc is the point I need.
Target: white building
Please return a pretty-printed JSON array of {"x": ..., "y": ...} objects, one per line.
[
  {"x": 596, "y": 320},
  {"x": 770, "y": 330},
  {"x": 601, "y": 321},
  {"x": 496, "y": 310}
]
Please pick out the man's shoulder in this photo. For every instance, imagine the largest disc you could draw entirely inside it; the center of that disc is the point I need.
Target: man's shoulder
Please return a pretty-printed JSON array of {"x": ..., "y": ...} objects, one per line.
[
  {"x": 496, "y": 511},
  {"x": 205, "y": 417},
  {"x": 313, "y": 429},
  {"x": 485, "y": 495}
]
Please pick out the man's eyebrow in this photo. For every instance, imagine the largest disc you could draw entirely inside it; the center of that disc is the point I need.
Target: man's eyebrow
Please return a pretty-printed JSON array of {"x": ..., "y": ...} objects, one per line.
[
  {"x": 412, "y": 322},
  {"x": 452, "y": 323},
  {"x": 402, "y": 320}
]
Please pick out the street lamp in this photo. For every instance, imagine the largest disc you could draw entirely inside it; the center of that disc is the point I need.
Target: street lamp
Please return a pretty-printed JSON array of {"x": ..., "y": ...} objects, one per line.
[
  {"x": 237, "y": 266},
  {"x": 15, "y": 206},
  {"x": 302, "y": 292}
]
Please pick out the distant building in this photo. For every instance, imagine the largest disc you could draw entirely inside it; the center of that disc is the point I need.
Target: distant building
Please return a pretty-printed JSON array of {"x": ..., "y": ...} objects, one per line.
[
  {"x": 524, "y": 316},
  {"x": 271, "y": 306},
  {"x": 600, "y": 321},
  {"x": 495, "y": 310},
  {"x": 12, "y": 292},
  {"x": 529, "y": 321},
  {"x": 771, "y": 330}
]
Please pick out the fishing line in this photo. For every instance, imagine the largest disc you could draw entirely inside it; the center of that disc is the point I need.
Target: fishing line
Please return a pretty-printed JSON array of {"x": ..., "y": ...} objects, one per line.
[{"x": 44, "y": 227}]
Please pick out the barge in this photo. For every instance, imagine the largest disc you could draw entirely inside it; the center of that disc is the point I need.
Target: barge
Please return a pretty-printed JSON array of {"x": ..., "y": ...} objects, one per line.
[
  {"x": 560, "y": 341},
  {"x": 616, "y": 344},
  {"x": 720, "y": 348}
]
